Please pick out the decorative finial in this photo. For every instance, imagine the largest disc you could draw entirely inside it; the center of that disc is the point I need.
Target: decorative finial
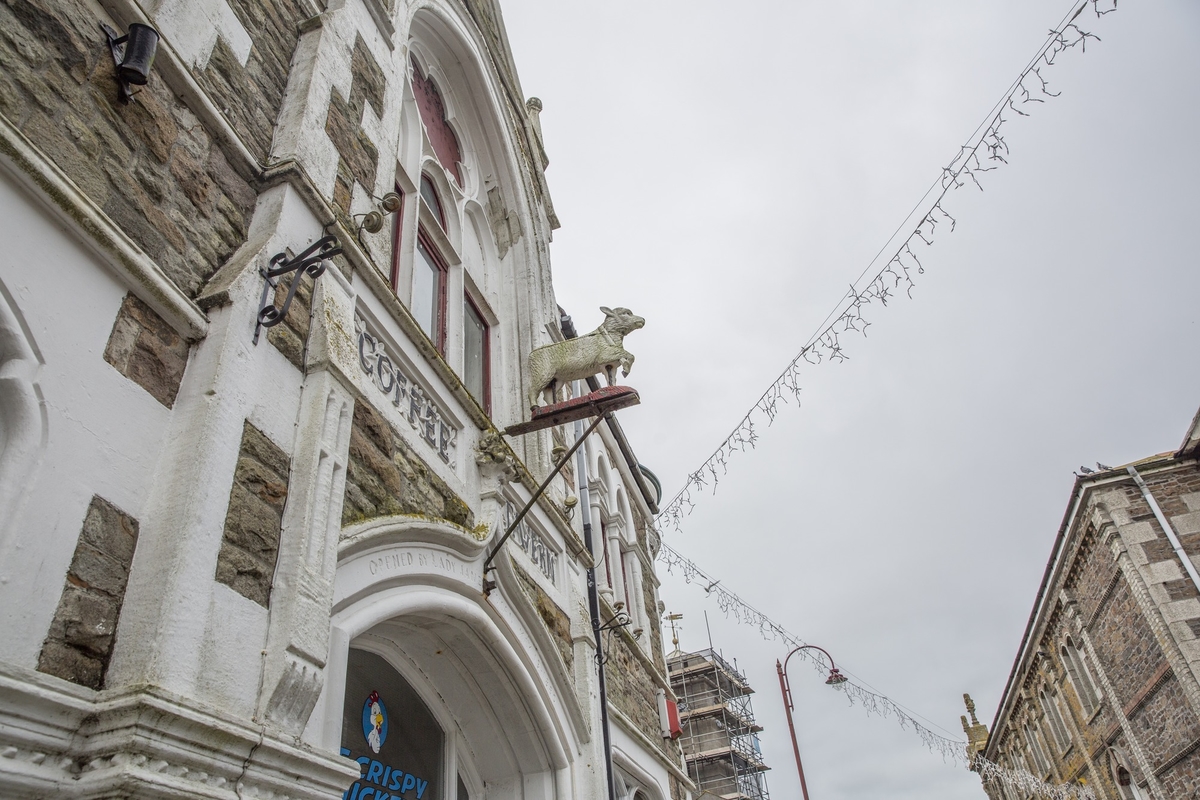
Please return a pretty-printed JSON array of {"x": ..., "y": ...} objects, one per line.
[
  {"x": 673, "y": 618},
  {"x": 977, "y": 734}
]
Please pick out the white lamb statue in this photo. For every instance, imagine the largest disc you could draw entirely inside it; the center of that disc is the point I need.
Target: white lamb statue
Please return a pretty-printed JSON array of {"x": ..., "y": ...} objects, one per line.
[{"x": 602, "y": 350}]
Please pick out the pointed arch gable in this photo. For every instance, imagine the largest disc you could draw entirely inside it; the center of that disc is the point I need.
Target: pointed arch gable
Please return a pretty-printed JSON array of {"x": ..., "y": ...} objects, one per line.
[
  {"x": 409, "y": 590},
  {"x": 450, "y": 50}
]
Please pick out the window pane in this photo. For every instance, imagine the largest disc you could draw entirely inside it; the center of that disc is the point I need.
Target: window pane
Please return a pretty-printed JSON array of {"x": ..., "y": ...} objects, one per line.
[
  {"x": 462, "y": 790},
  {"x": 474, "y": 353},
  {"x": 427, "y": 280},
  {"x": 389, "y": 731},
  {"x": 429, "y": 195}
]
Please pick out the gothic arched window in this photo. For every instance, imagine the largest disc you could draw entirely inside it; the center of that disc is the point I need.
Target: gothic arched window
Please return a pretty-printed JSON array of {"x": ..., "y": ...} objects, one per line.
[{"x": 433, "y": 114}]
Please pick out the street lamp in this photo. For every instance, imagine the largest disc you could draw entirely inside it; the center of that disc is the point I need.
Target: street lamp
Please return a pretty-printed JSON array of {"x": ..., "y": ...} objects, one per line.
[{"x": 835, "y": 679}]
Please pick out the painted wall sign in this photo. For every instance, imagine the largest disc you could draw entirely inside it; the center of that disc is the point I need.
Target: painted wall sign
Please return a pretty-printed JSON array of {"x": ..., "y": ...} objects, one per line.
[
  {"x": 382, "y": 782},
  {"x": 390, "y": 733},
  {"x": 405, "y": 394},
  {"x": 375, "y": 722},
  {"x": 533, "y": 544}
]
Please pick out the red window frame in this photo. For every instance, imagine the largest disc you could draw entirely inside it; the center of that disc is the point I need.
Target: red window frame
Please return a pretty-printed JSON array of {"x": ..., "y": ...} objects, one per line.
[
  {"x": 439, "y": 261},
  {"x": 486, "y": 400},
  {"x": 397, "y": 239}
]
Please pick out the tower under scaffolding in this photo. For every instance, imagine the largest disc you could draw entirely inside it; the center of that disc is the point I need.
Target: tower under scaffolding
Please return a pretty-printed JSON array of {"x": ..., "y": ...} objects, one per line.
[{"x": 720, "y": 736}]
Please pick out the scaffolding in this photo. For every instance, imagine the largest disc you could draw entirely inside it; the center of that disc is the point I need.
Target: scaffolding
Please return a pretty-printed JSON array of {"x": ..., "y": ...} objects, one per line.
[{"x": 720, "y": 736}]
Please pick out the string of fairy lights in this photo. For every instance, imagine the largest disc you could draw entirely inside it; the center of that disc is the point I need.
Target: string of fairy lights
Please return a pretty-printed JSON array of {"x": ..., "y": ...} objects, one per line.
[
  {"x": 889, "y": 275},
  {"x": 952, "y": 751},
  {"x": 892, "y": 273}
]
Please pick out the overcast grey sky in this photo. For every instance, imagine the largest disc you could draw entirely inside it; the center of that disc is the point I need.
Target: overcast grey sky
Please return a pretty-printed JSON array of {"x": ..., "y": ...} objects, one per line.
[{"x": 726, "y": 169}]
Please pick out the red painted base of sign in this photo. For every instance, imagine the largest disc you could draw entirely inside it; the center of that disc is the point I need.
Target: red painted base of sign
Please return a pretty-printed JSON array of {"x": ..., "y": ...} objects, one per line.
[{"x": 601, "y": 401}]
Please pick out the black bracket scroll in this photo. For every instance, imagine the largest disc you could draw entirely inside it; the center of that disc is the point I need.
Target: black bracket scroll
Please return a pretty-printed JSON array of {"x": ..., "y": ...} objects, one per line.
[{"x": 313, "y": 261}]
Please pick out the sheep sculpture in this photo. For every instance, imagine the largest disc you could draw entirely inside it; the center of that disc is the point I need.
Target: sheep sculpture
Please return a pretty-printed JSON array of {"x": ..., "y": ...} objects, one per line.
[{"x": 602, "y": 350}]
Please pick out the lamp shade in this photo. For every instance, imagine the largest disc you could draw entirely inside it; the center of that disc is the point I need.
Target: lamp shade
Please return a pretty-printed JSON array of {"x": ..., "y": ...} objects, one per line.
[{"x": 140, "y": 47}]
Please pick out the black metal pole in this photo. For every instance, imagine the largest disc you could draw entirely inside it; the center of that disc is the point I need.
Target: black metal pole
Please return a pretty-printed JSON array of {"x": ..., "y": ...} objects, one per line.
[
  {"x": 487, "y": 564},
  {"x": 594, "y": 607}
]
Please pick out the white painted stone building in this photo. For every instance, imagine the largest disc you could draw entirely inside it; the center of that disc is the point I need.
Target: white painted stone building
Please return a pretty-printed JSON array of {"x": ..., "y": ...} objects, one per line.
[{"x": 233, "y": 562}]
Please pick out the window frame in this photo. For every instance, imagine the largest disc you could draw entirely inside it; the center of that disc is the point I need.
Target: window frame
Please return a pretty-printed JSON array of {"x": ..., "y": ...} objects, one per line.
[
  {"x": 397, "y": 238},
  {"x": 486, "y": 357},
  {"x": 1058, "y": 726},
  {"x": 426, "y": 242},
  {"x": 1037, "y": 752},
  {"x": 438, "y": 210},
  {"x": 1080, "y": 678}
]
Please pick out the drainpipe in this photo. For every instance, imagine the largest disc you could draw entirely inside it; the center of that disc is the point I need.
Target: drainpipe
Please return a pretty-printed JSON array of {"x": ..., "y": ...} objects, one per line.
[
  {"x": 1166, "y": 526},
  {"x": 594, "y": 609}
]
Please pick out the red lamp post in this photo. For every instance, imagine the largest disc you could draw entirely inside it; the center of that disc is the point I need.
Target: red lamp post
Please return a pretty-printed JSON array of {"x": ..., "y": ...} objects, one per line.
[{"x": 835, "y": 680}]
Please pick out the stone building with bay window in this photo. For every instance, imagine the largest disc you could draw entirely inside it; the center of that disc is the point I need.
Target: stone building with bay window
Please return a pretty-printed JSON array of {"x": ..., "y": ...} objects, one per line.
[
  {"x": 246, "y": 561},
  {"x": 1105, "y": 690}
]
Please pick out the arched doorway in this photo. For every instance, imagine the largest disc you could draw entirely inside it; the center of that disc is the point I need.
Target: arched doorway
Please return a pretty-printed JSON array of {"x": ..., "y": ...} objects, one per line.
[{"x": 465, "y": 710}]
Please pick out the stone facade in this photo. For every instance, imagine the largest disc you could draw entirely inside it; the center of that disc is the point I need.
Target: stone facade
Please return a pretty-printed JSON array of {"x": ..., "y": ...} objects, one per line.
[
  {"x": 387, "y": 477},
  {"x": 152, "y": 166},
  {"x": 208, "y": 528},
  {"x": 250, "y": 546},
  {"x": 145, "y": 349},
  {"x": 557, "y": 623},
  {"x": 290, "y": 336},
  {"x": 1106, "y": 692},
  {"x": 82, "y": 634}
]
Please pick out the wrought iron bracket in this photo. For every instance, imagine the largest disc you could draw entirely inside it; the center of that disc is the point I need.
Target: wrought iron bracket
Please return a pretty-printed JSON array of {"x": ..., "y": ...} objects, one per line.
[
  {"x": 115, "y": 47},
  {"x": 619, "y": 620},
  {"x": 488, "y": 584},
  {"x": 312, "y": 261}
]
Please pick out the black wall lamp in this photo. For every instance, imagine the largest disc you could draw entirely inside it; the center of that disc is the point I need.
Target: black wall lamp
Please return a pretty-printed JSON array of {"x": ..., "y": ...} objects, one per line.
[{"x": 133, "y": 56}]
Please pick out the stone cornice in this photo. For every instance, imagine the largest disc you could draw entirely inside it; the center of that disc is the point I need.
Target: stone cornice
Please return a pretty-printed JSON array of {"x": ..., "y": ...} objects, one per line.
[{"x": 58, "y": 738}]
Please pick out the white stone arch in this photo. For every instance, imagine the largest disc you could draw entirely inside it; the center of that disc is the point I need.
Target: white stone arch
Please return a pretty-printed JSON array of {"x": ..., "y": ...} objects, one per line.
[
  {"x": 24, "y": 425},
  {"x": 475, "y": 218},
  {"x": 598, "y": 460},
  {"x": 450, "y": 49},
  {"x": 1127, "y": 783},
  {"x": 633, "y": 780},
  {"x": 458, "y": 121},
  {"x": 409, "y": 590}
]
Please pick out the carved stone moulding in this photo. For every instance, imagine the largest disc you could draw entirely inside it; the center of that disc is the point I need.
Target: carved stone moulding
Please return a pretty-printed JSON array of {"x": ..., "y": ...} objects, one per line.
[{"x": 59, "y": 740}]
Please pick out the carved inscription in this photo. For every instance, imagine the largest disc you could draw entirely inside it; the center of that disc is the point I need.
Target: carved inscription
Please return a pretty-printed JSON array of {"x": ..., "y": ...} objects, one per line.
[
  {"x": 408, "y": 559},
  {"x": 405, "y": 394},
  {"x": 533, "y": 544}
]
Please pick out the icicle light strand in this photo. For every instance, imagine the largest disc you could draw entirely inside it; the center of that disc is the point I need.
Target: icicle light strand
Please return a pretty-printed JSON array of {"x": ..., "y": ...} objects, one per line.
[
  {"x": 952, "y": 751},
  {"x": 985, "y": 151}
]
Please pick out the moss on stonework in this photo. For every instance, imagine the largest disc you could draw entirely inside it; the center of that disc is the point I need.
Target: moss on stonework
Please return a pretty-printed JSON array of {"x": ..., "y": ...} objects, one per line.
[
  {"x": 385, "y": 477},
  {"x": 557, "y": 623}
]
